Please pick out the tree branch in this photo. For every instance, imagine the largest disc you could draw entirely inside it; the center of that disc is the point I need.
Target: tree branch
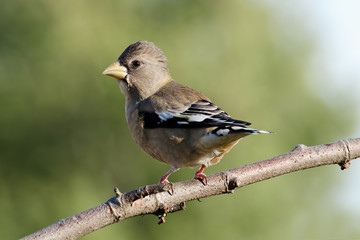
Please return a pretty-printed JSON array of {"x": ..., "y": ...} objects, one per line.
[{"x": 161, "y": 199}]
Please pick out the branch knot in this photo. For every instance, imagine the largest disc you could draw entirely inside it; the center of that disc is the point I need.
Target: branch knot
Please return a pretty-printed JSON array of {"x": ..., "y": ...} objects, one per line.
[
  {"x": 231, "y": 182},
  {"x": 347, "y": 155}
]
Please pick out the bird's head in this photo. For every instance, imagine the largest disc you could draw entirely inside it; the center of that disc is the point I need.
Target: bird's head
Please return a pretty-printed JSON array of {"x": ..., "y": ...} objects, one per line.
[{"x": 141, "y": 70}]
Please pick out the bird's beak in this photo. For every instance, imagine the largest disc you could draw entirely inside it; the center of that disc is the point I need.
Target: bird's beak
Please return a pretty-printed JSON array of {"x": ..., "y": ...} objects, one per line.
[{"x": 116, "y": 70}]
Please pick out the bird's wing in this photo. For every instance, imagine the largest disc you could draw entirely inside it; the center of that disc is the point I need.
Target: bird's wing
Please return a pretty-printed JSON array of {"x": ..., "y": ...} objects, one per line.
[{"x": 199, "y": 114}]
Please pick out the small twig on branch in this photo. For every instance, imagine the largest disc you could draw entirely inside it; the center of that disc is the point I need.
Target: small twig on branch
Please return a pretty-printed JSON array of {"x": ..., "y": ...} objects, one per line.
[{"x": 163, "y": 198}]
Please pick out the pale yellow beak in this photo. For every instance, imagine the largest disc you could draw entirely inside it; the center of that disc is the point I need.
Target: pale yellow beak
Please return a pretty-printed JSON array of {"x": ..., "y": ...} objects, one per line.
[{"x": 116, "y": 70}]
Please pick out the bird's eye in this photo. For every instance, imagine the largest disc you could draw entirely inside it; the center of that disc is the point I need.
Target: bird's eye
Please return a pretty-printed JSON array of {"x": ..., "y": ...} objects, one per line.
[{"x": 136, "y": 63}]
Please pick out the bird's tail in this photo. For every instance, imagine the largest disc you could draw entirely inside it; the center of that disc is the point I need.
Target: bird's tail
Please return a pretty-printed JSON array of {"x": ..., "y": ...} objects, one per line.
[
  {"x": 256, "y": 131},
  {"x": 222, "y": 131}
]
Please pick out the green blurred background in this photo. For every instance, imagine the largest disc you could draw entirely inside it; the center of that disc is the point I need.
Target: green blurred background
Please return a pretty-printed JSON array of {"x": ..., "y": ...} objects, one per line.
[{"x": 64, "y": 142}]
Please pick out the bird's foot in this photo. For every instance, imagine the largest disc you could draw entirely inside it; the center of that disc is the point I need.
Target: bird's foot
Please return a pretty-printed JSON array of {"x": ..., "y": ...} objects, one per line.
[
  {"x": 201, "y": 176},
  {"x": 164, "y": 179}
]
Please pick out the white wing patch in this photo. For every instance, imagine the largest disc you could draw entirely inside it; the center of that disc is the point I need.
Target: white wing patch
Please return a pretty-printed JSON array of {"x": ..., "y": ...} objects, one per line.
[
  {"x": 201, "y": 113},
  {"x": 183, "y": 122},
  {"x": 197, "y": 117},
  {"x": 165, "y": 115},
  {"x": 222, "y": 132},
  {"x": 193, "y": 117}
]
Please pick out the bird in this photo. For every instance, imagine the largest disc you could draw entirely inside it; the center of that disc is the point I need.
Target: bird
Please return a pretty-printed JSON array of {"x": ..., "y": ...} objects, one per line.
[{"x": 171, "y": 122}]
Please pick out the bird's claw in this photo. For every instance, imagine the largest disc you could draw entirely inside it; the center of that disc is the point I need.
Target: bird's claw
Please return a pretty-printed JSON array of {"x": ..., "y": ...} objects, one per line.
[{"x": 201, "y": 177}]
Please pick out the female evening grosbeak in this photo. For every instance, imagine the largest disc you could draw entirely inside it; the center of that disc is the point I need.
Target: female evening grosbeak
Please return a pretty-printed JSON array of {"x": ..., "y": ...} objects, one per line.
[{"x": 171, "y": 122}]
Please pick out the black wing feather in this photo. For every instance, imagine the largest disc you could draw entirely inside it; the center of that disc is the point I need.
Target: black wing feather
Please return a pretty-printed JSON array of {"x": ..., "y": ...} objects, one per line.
[{"x": 200, "y": 114}]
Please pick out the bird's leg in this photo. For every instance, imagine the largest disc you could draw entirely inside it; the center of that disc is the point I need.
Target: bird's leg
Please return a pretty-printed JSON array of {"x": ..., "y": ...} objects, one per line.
[
  {"x": 163, "y": 179},
  {"x": 200, "y": 175}
]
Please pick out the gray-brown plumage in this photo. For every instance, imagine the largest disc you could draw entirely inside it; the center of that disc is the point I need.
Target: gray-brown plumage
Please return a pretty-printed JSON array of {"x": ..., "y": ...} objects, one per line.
[{"x": 171, "y": 122}]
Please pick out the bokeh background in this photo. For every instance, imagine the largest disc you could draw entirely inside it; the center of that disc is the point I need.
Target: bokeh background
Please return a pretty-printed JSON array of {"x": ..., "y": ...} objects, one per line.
[{"x": 287, "y": 67}]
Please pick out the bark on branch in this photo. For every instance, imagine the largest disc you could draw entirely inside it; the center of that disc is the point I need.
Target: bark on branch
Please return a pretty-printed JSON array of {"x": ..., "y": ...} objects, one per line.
[{"x": 161, "y": 199}]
